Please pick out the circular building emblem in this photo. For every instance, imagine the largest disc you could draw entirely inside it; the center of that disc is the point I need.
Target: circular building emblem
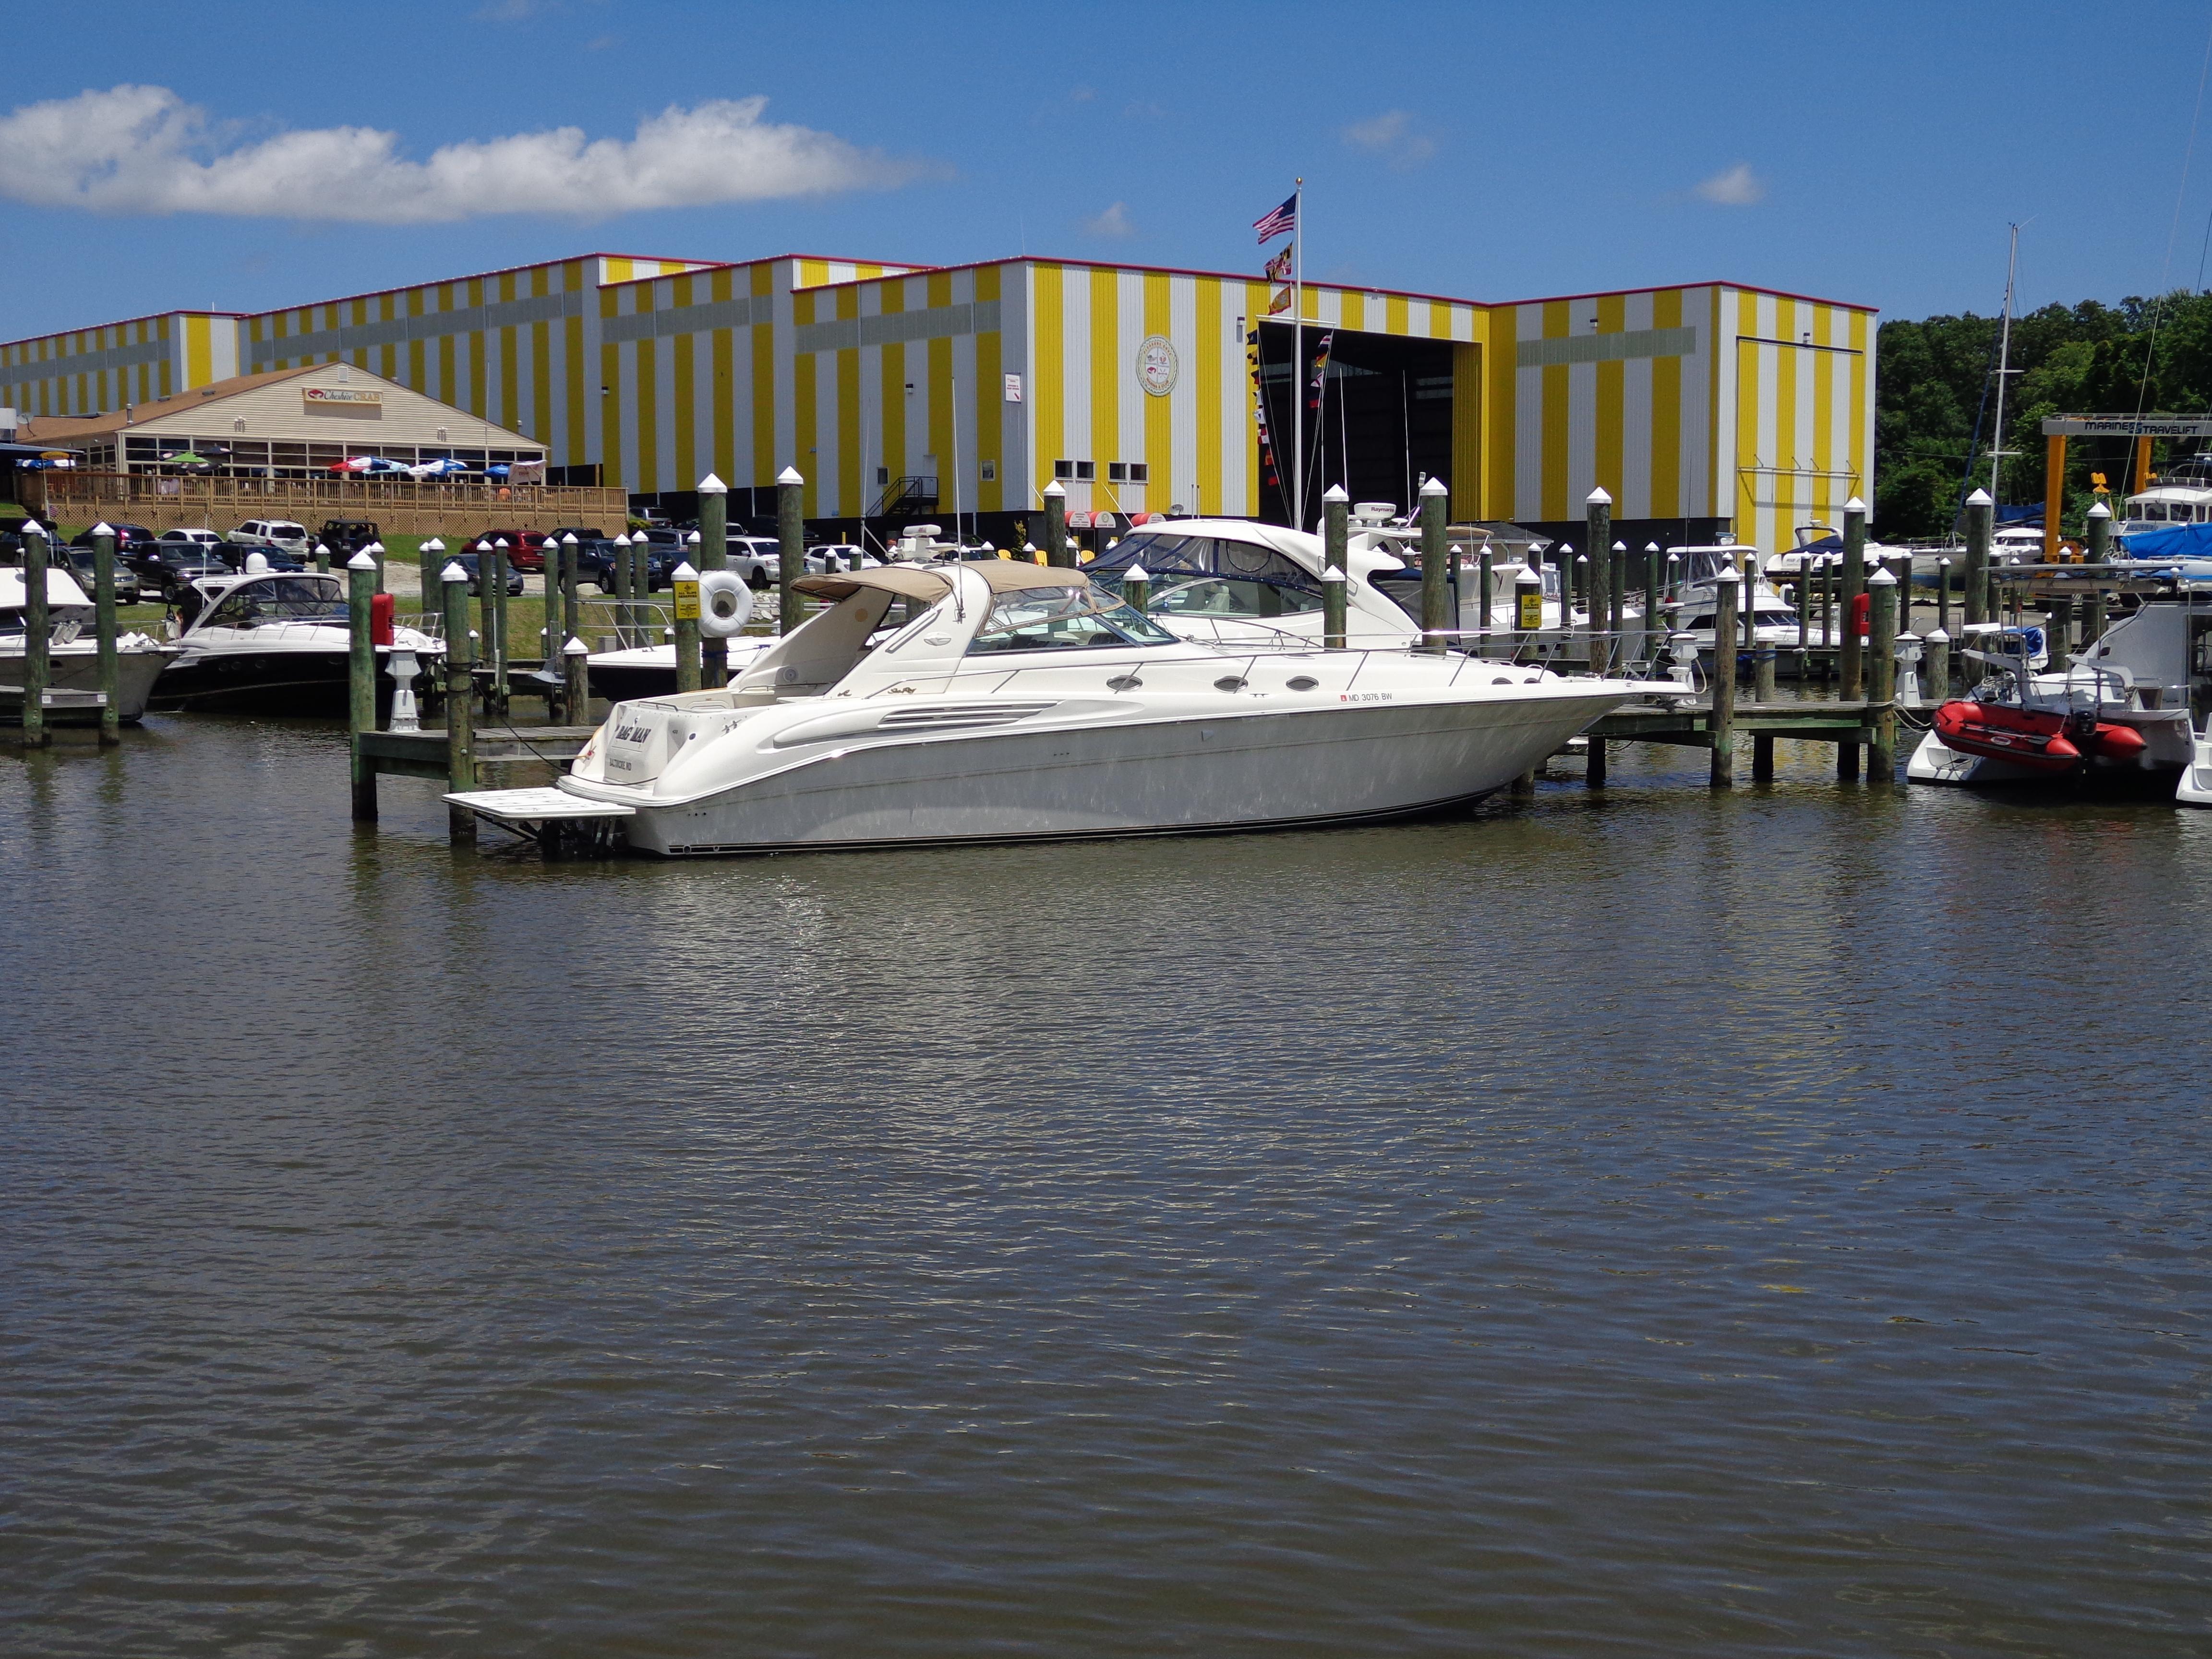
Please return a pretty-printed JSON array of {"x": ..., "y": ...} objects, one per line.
[{"x": 1156, "y": 366}]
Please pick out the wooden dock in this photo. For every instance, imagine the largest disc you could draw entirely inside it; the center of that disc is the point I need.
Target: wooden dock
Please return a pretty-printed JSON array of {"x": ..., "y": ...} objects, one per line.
[
  {"x": 1688, "y": 721},
  {"x": 428, "y": 754}
]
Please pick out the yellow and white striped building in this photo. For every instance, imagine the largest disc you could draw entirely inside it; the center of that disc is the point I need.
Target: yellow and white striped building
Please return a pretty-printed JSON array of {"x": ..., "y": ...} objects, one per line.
[{"x": 1695, "y": 407}]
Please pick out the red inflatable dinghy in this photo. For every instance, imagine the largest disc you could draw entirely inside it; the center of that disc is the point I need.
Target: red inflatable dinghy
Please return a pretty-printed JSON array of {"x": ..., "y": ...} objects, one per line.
[{"x": 2024, "y": 737}]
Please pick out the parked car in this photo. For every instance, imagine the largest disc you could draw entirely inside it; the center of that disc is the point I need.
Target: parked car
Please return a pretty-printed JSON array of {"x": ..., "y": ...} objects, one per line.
[
  {"x": 595, "y": 563},
  {"x": 126, "y": 535},
  {"x": 525, "y": 548},
  {"x": 346, "y": 537},
  {"x": 170, "y": 569},
  {"x": 191, "y": 537},
  {"x": 271, "y": 532},
  {"x": 473, "y": 563},
  {"x": 582, "y": 533},
  {"x": 758, "y": 559},
  {"x": 126, "y": 579}
]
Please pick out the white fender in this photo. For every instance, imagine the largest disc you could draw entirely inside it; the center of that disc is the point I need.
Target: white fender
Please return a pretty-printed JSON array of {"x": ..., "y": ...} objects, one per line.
[{"x": 726, "y": 604}]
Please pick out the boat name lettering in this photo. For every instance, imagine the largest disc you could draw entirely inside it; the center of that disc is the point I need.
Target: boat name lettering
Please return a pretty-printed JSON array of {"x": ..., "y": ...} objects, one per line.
[{"x": 633, "y": 733}]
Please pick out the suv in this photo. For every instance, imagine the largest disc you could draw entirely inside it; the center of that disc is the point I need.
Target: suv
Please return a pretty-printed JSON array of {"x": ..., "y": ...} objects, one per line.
[
  {"x": 272, "y": 532},
  {"x": 758, "y": 559},
  {"x": 129, "y": 539},
  {"x": 346, "y": 537}
]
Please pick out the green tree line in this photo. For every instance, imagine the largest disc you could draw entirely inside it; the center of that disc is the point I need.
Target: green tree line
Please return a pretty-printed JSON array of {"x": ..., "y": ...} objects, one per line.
[{"x": 1933, "y": 376}]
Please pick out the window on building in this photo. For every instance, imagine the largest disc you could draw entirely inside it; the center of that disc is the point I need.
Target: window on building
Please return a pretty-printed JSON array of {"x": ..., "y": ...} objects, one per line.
[
  {"x": 1085, "y": 472},
  {"x": 990, "y": 472},
  {"x": 1139, "y": 472},
  {"x": 1117, "y": 473},
  {"x": 1064, "y": 471},
  {"x": 882, "y": 475}
]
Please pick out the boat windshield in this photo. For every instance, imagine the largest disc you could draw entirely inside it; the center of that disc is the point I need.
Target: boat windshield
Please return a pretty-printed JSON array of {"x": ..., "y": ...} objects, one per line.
[
  {"x": 284, "y": 598},
  {"x": 1063, "y": 619},
  {"x": 1225, "y": 596}
]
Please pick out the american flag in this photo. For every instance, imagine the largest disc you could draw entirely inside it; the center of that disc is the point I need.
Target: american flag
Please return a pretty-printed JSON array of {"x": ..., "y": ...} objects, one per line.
[{"x": 1280, "y": 222}]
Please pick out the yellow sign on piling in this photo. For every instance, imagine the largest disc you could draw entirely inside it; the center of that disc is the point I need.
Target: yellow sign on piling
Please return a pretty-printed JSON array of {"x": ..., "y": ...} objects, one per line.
[
  {"x": 1532, "y": 610},
  {"x": 687, "y": 602}
]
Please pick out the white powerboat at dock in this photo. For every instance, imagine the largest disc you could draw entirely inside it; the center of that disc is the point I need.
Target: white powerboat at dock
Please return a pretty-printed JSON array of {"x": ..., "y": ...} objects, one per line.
[
  {"x": 1012, "y": 703},
  {"x": 275, "y": 643},
  {"x": 72, "y": 652}
]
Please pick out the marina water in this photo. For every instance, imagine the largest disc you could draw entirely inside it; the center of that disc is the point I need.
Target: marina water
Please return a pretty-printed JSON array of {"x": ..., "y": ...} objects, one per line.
[{"x": 1654, "y": 1223}]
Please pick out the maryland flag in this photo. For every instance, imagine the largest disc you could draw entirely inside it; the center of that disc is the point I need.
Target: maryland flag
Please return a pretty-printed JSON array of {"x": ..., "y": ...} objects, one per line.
[
  {"x": 1260, "y": 411},
  {"x": 1278, "y": 268}
]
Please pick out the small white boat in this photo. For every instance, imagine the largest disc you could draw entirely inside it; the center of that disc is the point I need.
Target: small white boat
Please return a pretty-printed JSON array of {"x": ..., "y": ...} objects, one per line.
[
  {"x": 1008, "y": 701},
  {"x": 72, "y": 649}
]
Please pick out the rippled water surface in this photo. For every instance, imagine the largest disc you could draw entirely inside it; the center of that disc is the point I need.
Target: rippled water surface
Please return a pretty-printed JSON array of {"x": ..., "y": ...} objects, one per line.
[{"x": 1770, "y": 1225}]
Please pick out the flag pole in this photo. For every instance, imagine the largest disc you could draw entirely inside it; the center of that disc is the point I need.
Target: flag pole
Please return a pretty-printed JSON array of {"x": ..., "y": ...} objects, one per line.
[{"x": 1299, "y": 354}]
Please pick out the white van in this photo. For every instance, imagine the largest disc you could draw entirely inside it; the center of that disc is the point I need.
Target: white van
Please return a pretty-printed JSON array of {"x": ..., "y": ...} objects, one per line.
[{"x": 271, "y": 532}]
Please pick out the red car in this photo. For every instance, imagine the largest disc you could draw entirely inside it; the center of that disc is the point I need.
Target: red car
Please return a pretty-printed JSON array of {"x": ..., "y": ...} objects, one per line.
[{"x": 525, "y": 548}]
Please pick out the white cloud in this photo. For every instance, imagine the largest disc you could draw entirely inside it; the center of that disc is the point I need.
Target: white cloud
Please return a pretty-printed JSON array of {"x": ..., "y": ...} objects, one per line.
[
  {"x": 1115, "y": 222},
  {"x": 144, "y": 149},
  {"x": 1391, "y": 134},
  {"x": 1737, "y": 187}
]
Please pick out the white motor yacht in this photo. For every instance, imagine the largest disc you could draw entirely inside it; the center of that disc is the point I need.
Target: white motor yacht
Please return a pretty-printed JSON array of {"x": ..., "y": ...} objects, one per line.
[
  {"x": 1703, "y": 571},
  {"x": 1009, "y": 702},
  {"x": 2180, "y": 494},
  {"x": 1232, "y": 582},
  {"x": 72, "y": 650},
  {"x": 273, "y": 643}
]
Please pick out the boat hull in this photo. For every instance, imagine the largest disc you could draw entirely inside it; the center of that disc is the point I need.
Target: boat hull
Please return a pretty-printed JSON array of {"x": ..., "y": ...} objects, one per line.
[
  {"x": 69, "y": 669},
  {"x": 1141, "y": 777},
  {"x": 294, "y": 681}
]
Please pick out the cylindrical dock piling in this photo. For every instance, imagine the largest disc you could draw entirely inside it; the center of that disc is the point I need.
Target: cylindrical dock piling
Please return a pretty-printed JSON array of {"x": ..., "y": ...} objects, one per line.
[
  {"x": 103, "y": 602},
  {"x": 575, "y": 670},
  {"x": 1436, "y": 567},
  {"x": 1935, "y": 655},
  {"x": 1137, "y": 589},
  {"x": 37, "y": 665},
  {"x": 685, "y": 583},
  {"x": 714, "y": 554},
  {"x": 1056, "y": 550},
  {"x": 361, "y": 679},
  {"x": 790, "y": 534},
  {"x": 1336, "y": 537},
  {"x": 1597, "y": 539},
  {"x": 1881, "y": 676},
  {"x": 1721, "y": 724},
  {"x": 460, "y": 703},
  {"x": 1980, "y": 511}
]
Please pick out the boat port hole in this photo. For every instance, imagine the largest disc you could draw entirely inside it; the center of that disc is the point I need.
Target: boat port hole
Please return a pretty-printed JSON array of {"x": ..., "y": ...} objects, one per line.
[{"x": 1304, "y": 682}]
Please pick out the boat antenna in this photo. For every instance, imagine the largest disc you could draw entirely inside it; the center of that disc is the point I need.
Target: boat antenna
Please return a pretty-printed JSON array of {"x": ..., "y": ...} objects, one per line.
[{"x": 2004, "y": 367}]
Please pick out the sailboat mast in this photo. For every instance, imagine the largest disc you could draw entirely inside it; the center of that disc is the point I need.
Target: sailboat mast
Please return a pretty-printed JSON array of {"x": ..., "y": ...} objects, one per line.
[
  {"x": 2004, "y": 369},
  {"x": 1298, "y": 355}
]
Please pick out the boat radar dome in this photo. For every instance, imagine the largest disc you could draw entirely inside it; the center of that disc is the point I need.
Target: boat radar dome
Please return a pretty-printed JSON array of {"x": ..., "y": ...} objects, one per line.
[{"x": 257, "y": 564}]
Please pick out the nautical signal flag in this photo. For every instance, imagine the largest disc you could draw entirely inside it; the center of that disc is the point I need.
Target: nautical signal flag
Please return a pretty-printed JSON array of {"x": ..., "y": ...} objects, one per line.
[
  {"x": 1280, "y": 222},
  {"x": 1280, "y": 302},
  {"x": 1278, "y": 268}
]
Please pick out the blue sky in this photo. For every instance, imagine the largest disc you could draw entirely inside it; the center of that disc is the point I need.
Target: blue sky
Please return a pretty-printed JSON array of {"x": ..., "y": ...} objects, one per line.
[{"x": 1870, "y": 152}]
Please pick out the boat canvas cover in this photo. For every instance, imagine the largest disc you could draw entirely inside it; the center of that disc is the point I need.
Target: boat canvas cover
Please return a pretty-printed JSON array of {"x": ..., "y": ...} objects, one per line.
[{"x": 2180, "y": 541}]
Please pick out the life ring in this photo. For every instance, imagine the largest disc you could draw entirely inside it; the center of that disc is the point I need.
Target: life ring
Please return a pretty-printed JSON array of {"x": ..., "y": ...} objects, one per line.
[{"x": 726, "y": 604}]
